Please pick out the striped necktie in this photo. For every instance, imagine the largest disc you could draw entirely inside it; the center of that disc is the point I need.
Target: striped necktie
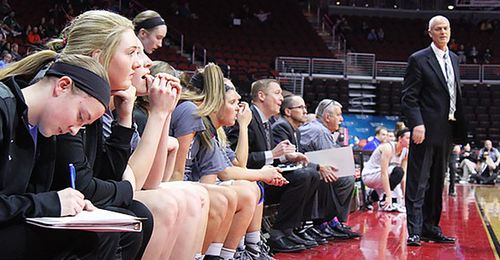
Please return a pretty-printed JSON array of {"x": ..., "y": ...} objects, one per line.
[
  {"x": 451, "y": 86},
  {"x": 268, "y": 135}
]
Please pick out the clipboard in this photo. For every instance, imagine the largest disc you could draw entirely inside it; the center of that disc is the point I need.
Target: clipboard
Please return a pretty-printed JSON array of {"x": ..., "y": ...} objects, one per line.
[{"x": 341, "y": 158}]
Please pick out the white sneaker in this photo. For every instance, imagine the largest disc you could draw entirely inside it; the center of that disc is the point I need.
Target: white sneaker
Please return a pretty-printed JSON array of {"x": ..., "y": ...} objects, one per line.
[{"x": 399, "y": 208}]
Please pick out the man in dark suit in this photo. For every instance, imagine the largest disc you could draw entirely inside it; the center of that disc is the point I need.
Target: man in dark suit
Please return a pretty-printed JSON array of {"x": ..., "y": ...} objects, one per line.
[
  {"x": 266, "y": 101},
  {"x": 431, "y": 103},
  {"x": 334, "y": 194}
]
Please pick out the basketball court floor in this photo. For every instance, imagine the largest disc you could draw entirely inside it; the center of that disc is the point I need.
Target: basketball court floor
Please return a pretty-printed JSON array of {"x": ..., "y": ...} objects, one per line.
[{"x": 473, "y": 217}]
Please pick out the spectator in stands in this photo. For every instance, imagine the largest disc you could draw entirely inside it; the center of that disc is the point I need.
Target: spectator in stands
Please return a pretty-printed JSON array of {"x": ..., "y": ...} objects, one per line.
[
  {"x": 473, "y": 55},
  {"x": 69, "y": 14},
  {"x": 453, "y": 46},
  {"x": 380, "y": 34},
  {"x": 14, "y": 51},
  {"x": 435, "y": 117},
  {"x": 318, "y": 135},
  {"x": 385, "y": 172},
  {"x": 12, "y": 25},
  {"x": 6, "y": 59},
  {"x": 262, "y": 16},
  {"x": 364, "y": 27},
  {"x": 266, "y": 101},
  {"x": 344, "y": 26},
  {"x": 487, "y": 56},
  {"x": 51, "y": 29},
  {"x": 486, "y": 26},
  {"x": 151, "y": 29},
  {"x": 55, "y": 11},
  {"x": 372, "y": 35},
  {"x": 82, "y": 88},
  {"x": 42, "y": 28},
  {"x": 34, "y": 37},
  {"x": 185, "y": 11},
  {"x": 462, "y": 58},
  {"x": 5, "y": 8},
  {"x": 380, "y": 137}
]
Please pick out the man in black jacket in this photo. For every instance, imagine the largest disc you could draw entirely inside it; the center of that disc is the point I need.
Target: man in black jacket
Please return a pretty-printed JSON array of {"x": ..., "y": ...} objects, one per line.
[
  {"x": 431, "y": 102},
  {"x": 267, "y": 98}
]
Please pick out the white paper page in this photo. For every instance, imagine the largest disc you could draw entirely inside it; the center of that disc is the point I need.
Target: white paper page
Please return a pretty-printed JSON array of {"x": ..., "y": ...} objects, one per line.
[
  {"x": 97, "y": 216},
  {"x": 341, "y": 158}
]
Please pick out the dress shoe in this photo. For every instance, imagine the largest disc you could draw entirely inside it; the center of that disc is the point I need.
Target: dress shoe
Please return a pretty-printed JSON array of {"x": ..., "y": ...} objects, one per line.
[
  {"x": 439, "y": 238},
  {"x": 334, "y": 233},
  {"x": 283, "y": 244},
  {"x": 316, "y": 232},
  {"x": 413, "y": 240},
  {"x": 341, "y": 229},
  {"x": 212, "y": 257},
  {"x": 345, "y": 226},
  {"x": 307, "y": 236},
  {"x": 298, "y": 240}
]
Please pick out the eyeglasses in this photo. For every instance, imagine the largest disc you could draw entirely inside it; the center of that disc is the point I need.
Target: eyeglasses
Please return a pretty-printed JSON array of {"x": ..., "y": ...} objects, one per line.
[{"x": 303, "y": 107}]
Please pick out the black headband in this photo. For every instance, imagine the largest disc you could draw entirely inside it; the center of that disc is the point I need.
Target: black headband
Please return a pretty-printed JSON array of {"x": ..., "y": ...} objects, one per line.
[
  {"x": 150, "y": 23},
  {"x": 197, "y": 81},
  {"x": 86, "y": 80}
]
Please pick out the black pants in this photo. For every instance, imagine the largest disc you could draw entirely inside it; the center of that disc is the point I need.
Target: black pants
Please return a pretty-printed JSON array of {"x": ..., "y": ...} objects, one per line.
[
  {"x": 452, "y": 166},
  {"x": 427, "y": 165},
  {"x": 395, "y": 177},
  {"x": 293, "y": 197},
  {"x": 334, "y": 199},
  {"x": 25, "y": 241},
  {"x": 131, "y": 245}
]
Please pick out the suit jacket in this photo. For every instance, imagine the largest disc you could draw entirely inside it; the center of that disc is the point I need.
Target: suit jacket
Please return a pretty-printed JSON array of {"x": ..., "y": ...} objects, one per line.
[
  {"x": 257, "y": 140},
  {"x": 426, "y": 100},
  {"x": 283, "y": 130}
]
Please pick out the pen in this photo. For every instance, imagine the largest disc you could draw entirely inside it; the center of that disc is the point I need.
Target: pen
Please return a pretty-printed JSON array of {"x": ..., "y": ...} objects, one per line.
[{"x": 72, "y": 175}]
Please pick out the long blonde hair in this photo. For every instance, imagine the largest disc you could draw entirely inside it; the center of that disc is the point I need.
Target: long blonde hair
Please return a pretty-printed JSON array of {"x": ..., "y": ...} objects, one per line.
[
  {"x": 91, "y": 31},
  {"x": 29, "y": 66},
  {"x": 210, "y": 98}
]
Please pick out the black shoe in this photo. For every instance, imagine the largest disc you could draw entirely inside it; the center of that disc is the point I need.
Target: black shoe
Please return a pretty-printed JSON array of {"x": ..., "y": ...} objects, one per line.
[
  {"x": 212, "y": 257},
  {"x": 335, "y": 234},
  {"x": 439, "y": 238},
  {"x": 319, "y": 233},
  {"x": 283, "y": 244},
  {"x": 304, "y": 234},
  {"x": 298, "y": 240},
  {"x": 452, "y": 194},
  {"x": 345, "y": 226},
  {"x": 341, "y": 229},
  {"x": 413, "y": 240}
]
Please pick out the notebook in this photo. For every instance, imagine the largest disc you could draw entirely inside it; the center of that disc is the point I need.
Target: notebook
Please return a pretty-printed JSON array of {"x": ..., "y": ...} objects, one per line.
[{"x": 98, "y": 220}]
